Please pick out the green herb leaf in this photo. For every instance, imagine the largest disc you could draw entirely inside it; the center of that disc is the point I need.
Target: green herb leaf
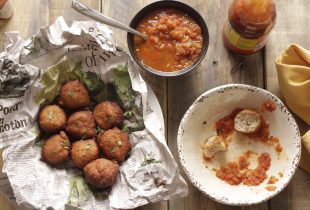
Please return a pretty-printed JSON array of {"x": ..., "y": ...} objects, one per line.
[
  {"x": 114, "y": 149},
  {"x": 79, "y": 191},
  {"x": 149, "y": 159},
  {"x": 71, "y": 94},
  {"x": 84, "y": 135},
  {"x": 128, "y": 99},
  {"x": 88, "y": 146},
  {"x": 50, "y": 115},
  {"x": 99, "y": 129},
  {"x": 63, "y": 143}
]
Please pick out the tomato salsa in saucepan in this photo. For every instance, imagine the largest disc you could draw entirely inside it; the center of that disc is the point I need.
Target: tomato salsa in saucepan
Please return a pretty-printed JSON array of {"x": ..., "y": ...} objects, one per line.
[{"x": 174, "y": 42}]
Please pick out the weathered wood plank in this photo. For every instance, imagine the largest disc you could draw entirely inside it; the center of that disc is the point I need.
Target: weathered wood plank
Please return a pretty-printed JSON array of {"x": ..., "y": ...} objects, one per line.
[
  {"x": 213, "y": 71},
  {"x": 296, "y": 195},
  {"x": 293, "y": 20},
  {"x": 63, "y": 8},
  {"x": 176, "y": 95},
  {"x": 123, "y": 11},
  {"x": 28, "y": 17}
]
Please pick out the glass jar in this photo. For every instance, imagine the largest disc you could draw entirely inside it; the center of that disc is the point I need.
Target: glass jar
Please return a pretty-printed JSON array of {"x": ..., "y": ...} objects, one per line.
[{"x": 248, "y": 25}]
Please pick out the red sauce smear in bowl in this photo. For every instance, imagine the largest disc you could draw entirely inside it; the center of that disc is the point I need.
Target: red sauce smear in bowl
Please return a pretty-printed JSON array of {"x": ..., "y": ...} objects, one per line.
[
  {"x": 268, "y": 106},
  {"x": 225, "y": 126},
  {"x": 238, "y": 172}
]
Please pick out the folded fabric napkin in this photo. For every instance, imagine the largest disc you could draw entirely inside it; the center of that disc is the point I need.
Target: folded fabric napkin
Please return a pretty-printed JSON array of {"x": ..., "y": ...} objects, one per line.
[{"x": 293, "y": 67}]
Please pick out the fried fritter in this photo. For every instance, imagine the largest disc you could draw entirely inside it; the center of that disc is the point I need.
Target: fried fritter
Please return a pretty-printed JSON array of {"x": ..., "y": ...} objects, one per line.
[
  {"x": 101, "y": 173},
  {"x": 56, "y": 149},
  {"x": 52, "y": 119},
  {"x": 81, "y": 125},
  {"x": 108, "y": 114},
  {"x": 114, "y": 144},
  {"x": 247, "y": 121},
  {"x": 83, "y": 152},
  {"x": 73, "y": 95},
  {"x": 213, "y": 145}
]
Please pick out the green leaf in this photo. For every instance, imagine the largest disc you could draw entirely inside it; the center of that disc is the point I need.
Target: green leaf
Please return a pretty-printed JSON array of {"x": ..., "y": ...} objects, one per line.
[
  {"x": 99, "y": 129},
  {"x": 122, "y": 83},
  {"x": 71, "y": 94},
  {"x": 79, "y": 191},
  {"x": 53, "y": 78},
  {"x": 149, "y": 159},
  {"x": 127, "y": 97},
  {"x": 119, "y": 90}
]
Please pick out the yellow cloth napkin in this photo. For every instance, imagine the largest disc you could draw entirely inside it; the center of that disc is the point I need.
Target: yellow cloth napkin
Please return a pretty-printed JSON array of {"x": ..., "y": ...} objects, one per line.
[{"x": 293, "y": 67}]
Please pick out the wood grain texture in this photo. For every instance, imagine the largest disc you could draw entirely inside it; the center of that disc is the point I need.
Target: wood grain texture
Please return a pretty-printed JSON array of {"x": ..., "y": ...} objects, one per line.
[
  {"x": 63, "y": 8},
  {"x": 293, "y": 20},
  {"x": 28, "y": 17},
  {"x": 215, "y": 70},
  {"x": 177, "y": 94}
]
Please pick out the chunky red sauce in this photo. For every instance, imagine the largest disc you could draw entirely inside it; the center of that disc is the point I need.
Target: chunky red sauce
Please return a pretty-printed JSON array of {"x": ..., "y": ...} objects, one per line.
[
  {"x": 270, "y": 187},
  {"x": 238, "y": 172},
  {"x": 206, "y": 158},
  {"x": 275, "y": 142},
  {"x": 174, "y": 43},
  {"x": 272, "y": 180},
  {"x": 262, "y": 133},
  {"x": 225, "y": 126},
  {"x": 268, "y": 106}
]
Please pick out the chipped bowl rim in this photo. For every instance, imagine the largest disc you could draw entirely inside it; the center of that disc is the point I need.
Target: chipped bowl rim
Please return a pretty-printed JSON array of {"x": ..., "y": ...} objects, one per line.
[{"x": 284, "y": 110}]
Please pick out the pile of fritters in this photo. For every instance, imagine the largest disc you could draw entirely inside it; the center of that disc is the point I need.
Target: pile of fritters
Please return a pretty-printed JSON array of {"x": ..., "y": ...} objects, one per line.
[{"x": 95, "y": 152}]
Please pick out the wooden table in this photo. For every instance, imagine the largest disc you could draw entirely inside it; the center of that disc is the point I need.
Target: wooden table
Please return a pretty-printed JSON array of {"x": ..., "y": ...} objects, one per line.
[{"x": 176, "y": 94}]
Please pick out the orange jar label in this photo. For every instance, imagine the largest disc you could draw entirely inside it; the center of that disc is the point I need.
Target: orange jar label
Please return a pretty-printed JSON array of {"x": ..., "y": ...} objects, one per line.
[{"x": 239, "y": 44}]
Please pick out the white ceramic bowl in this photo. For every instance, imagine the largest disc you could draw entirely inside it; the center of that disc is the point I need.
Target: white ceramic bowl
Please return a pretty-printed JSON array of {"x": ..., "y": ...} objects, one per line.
[{"x": 217, "y": 103}]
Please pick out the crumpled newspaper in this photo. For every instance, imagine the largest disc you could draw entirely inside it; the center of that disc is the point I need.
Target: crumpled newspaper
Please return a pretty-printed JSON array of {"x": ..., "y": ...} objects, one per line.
[{"x": 31, "y": 74}]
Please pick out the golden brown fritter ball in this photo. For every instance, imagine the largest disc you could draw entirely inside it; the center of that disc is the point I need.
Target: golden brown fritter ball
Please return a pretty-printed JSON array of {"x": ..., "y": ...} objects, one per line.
[
  {"x": 56, "y": 149},
  {"x": 101, "y": 173},
  {"x": 81, "y": 125},
  {"x": 52, "y": 119},
  {"x": 83, "y": 152},
  {"x": 73, "y": 95},
  {"x": 108, "y": 114},
  {"x": 114, "y": 144}
]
